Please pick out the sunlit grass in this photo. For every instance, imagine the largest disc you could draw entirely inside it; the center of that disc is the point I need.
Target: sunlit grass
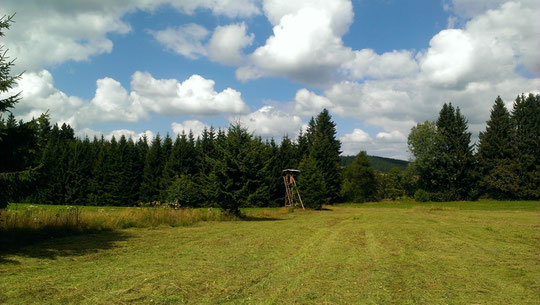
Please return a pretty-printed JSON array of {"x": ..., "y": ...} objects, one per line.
[{"x": 376, "y": 253}]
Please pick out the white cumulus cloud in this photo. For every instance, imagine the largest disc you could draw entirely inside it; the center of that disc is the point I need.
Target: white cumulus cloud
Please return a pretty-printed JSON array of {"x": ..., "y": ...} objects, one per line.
[
  {"x": 270, "y": 122},
  {"x": 184, "y": 40},
  {"x": 195, "y": 126},
  {"x": 194, "y": 96},
  {"x": 226, "y": 43}
]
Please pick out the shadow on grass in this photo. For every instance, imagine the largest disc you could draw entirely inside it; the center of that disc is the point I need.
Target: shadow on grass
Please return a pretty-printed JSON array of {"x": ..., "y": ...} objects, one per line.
[{"x": 50, "y": 245}]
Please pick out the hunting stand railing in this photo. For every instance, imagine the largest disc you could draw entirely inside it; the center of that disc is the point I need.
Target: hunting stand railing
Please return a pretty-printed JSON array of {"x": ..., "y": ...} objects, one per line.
[{"x": 292, "y": 195}]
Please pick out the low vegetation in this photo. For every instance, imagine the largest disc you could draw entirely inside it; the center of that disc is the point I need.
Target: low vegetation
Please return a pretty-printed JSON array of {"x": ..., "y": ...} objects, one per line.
[
  {"x": 376, "y": 253},
  {"x": 22, "y": 224}
]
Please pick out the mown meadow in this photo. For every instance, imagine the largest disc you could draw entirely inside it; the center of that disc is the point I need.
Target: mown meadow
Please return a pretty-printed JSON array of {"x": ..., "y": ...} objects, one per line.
[{"x": 484, "y": 252}]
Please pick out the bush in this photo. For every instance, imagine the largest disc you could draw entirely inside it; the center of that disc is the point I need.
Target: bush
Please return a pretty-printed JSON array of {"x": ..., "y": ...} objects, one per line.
[
  {"x": 421, "y": 196},
  {"x": 183, "y": 192}
]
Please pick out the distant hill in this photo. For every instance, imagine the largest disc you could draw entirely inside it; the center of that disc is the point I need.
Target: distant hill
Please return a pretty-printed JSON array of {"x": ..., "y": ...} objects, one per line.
[{"x": 379, "y": 163}]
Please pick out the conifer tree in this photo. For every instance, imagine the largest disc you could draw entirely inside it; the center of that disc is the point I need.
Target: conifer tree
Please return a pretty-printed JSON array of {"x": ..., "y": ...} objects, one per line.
[
  {"x": 326, "y": 148},
  {"x": 16, "y": 139},
  {"x": 152, "y": 173},
  {"x": 496, "y": 151},
  {"x": 311, "y": 184},
  {"x": 526, "y": 123},
  {"x": 79, "y": 171},
  {"x": 453, "y": 166},
  {"x": 228, "y": 181}
]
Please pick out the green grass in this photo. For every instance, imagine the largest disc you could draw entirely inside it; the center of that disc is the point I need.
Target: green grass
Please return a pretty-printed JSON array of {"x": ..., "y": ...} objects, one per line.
[{"x": 377, "y": 253}]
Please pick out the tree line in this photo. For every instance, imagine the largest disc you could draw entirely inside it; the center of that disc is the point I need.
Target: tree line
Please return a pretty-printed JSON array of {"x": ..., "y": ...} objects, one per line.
[
  {"x": 504, "y": 164},
  {"x": 221, "y": 168}
]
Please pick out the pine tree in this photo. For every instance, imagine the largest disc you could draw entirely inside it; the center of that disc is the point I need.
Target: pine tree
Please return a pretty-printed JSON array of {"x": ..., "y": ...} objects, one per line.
[
  {"x": 453, "y": 165},
  {"x": 152, "y": 173},
  {"x": 496, "y": 151},
  {"x": 526, "y": 123},
  {"x": 326, "y": 148},
  {"x": 228, "y": 182},
  {"x": 311, "y": 184},
  {"x": 80, "y": 170},
  {"x": 16, "y": 139}
]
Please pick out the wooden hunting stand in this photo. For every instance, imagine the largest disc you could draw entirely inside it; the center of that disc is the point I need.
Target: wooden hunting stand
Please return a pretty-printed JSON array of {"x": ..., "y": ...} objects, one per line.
[{"x": 292, "y": 195}]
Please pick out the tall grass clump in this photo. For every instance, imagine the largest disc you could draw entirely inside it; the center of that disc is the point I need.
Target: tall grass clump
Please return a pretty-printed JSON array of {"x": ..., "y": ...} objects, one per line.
[{"x": 32, "y": 223}]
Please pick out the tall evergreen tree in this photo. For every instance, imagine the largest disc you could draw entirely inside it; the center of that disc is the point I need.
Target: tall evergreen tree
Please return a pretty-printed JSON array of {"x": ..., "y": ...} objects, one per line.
[
  {"x": 326, "y": 148},
  {"x": 229, "y": 181},
  {"x": 311, "y": 184},
  {"x": 152, "y": 173},
  {"x": 496, "y": 151},
  {"x": 17, "y": 140},
  {"x": 526, "y": 122},
  {"x": 453, "y": 165}
]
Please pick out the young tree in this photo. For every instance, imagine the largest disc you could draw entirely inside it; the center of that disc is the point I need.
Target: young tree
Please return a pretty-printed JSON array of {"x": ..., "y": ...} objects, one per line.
[
  {"x": 359, "y": 180},
  {"x": 421, "y": 143}
]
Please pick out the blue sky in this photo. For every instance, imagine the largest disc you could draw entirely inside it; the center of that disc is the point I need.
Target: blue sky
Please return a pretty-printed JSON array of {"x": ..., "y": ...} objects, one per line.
[{"x": 380, "y": 67}]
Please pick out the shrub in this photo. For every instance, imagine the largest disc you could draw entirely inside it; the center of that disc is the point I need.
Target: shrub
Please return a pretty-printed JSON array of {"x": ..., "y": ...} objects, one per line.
[
  {"x": 421, "y": 196},
  {"x": 183, "y": 192}
]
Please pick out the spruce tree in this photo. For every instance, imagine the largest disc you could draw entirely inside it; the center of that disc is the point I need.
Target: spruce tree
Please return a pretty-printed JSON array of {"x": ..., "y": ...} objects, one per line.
[
  {"x": 229, "y": 181},
  {"x": 16, "y": 139},
  {"x": 326, "y": 148},
  {"x": 152, "y": 173},
  {"x": 311, "y": 184},
  {"x": 453, "y": 165},
  {"x": 526, "y": 123},
  {"x": 496, "y": 151}
]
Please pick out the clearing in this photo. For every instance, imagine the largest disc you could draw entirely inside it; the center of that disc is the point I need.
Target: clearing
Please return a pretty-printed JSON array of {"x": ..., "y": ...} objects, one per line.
[{"x": 383, "y": 253}]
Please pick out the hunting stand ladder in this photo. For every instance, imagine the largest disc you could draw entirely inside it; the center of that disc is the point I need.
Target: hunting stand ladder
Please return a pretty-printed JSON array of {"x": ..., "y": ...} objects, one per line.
[{"x": 292, "y": 195}]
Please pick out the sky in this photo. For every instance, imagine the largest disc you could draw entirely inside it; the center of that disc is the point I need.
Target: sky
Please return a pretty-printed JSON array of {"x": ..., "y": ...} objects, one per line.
[{"x": 135, "y": 67}]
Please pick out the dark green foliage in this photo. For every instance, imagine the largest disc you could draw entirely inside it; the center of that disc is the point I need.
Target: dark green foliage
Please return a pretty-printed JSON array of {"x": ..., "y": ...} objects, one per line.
[
  {"x": 421, "y": 143},
  {"x": 311, "y": 184},
  {"x": 6, "y": 80},
  {"x": 444, "y": 156},
  {"x": 360, "y": 181},
  {"x": 496, "y": 149},
  {"x": 229, "y": 179},
  {"x": 421, "y": 196},
  {"x": 526, "y": 123},
  {"x": 325, "y": 148},
  {"x": 391, "y": 184},
  {"x": 184, "y": 192},
  {"x": 17, "y": 139},
  {"x": 153, "y": 171},
  {"x": 381, "y": 164}
]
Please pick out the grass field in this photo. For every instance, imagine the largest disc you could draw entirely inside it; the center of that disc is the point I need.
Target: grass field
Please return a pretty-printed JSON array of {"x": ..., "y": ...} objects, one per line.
[{"x": 381, "y": 253}]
